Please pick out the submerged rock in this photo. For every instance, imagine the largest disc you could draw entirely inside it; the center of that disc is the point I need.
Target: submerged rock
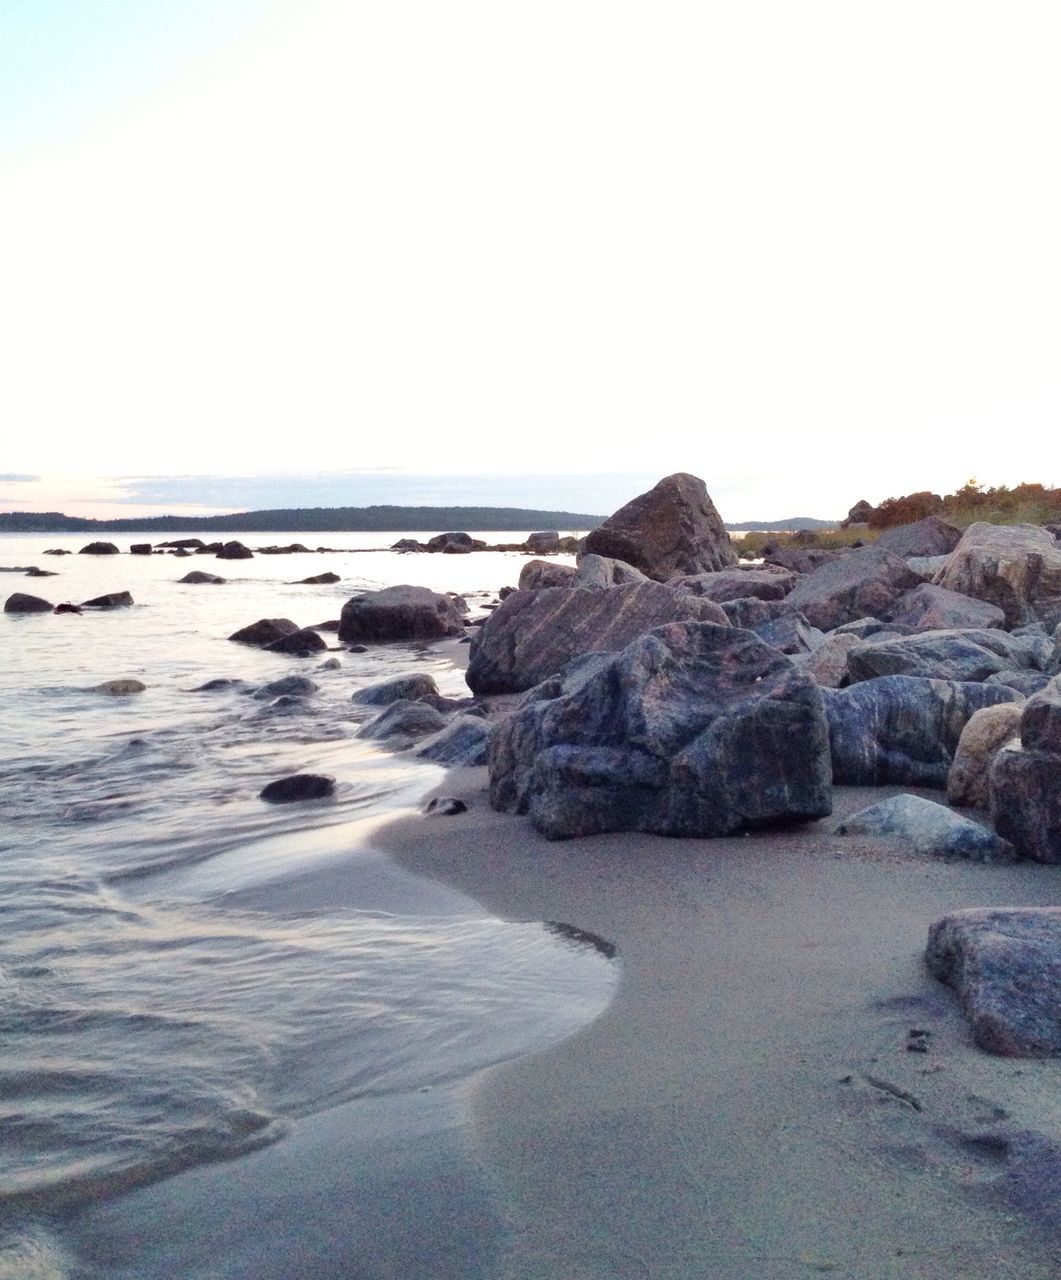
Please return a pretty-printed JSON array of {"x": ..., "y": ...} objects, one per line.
[
  {"x": 197, "y": 575},
  {"x": 412, "y": 688},
  {"x": 21, "y": 602},
  {"x": 318, "y": 579},
  {"x": 113, "y": 600},
  {"x": 290, "y": 686},
  {"x": 298, "y": 786},
  {"x": 408, "y": 721},
  {"x": 119, "y": 688},
  {"x": 265, "y": 631},
  {"x": 929, "y": 828},
  {"x": 299, "y": 644}
]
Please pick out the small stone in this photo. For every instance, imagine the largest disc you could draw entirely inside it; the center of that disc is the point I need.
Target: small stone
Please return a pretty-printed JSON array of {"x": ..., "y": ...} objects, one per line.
[
  {"x": 445, "y": 807},
  {"x": 298, "y": 786},
  {"x": 120, "y": 688}
]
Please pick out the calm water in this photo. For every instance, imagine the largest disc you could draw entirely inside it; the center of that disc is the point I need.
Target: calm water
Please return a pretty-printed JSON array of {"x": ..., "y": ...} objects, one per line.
[{"x": 173, "y": 987}]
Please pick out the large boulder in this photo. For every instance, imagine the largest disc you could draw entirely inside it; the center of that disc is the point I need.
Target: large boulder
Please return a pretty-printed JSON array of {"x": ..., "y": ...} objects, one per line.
[
  {"x": 750, "y": 612},
  {"x": 941, "y": 655},
  {"x": 20, "y": 602},
  {"x": 537, "y": 574},
  {"x": 533, "y": 634},
  {"x": 985, "y": 734},
  {"x": 197, "y": 576},
  {"x": 670, "y": 530},
  {"x": 602, "y": 571},
  {"x": 928, "y": 828},
  {"x": 234, "y": 551},
  {"x": 1016, "y": 567},
  {"x": 544, "y": 543},
  {"x": 403, "y": 722},
  {"x": 768, "y": 582},
  {"x": 399, "y": 613},
  {"x": 98, "y": 549},
  {"x": 800, "y": 559},
  {"x": 1025, "y": 784},
  {"x": 1005, "y": 966},
  {"x": 265, "y": 631},
  {"x": 929, "y": 537},
  {"x": 937, "y": 608},
  {"x": 691, "y": 730},
  {"x": 901, "y": 729},
  {"x": 860, "y": 583}
]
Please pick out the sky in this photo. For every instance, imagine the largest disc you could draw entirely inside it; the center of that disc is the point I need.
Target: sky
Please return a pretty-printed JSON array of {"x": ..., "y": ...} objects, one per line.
[{"x": 255, "y": 253}]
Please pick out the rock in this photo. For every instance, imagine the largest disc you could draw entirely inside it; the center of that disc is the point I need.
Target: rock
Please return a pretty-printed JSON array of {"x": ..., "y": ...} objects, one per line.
[
  {"x": 319, "y": 579},
  {"x": 1025, "y": 791},
  {"x": 769, "y": 582},
  {"x": 330, "y": 664},
  {"x": 535, "y": 633},
  {"x": 184, "y": 544},
  {"x": 410, "y": 688},
  {"x": 298, "y": 786},
  {"x": 925, "y": 567},
  {"x": 141, "y": 549},
  {"x": 265, "y": 631},
  {"x": 693, "y": 730},
  {"x": 929, "y": 537},
  {"x": 929, "y": 828},
  {"x": 67, "y": 607},
  {"x": 407, "y": 544},
  {"x": 99, "y": 549},
  {"x": 1040, "y": 725},
  {"x": 234, "y": 551},
  {"x": 937, "y": 608},
  {"x": 34, "y": 572},
  {"x": 289, "y": 686},
  {"x": 1025, "y": 682},
  {"x": 790, "y": 633},
  {"x": 58, "y": 551},
  {"x": 545, "y": 543},
  {"x": 672, "y": 529},
  {"x": 299, "y": 644},
  {"x": 940, "y": 655},
  {"x": 1016, "y": 567},
  {"x": 859, "y": 513},
  {"x": 984, "y": 735},
  {"x": 867, "y": 581},
  {"x": 537, "y": 574},
  {"x": 462, "y": 742},
  {"x": 454, "y": 544},
  {"x": 750, "y": 612},
  {"x": 1005, "y": 966},
  {"x": 113, "y": 600},
  {"x": 362, "y": 648},
  {"x": 197, "y": 575},
  {"x": 444, "y": 807},
  {"x": 800, "y": 559},
  {"x": 866, "y": 627},
  {"x": 404, "y": 720},
  {"x": 20, "y": 602},
  {"x": 827, "y": 665},
  {"x": 399, "y": 613},
  {"x": 602, "y": 571},
  {"x": 900, "y": 729},
  {"x": 221, "y": 684},
  {"x": 119, "y": 688}
]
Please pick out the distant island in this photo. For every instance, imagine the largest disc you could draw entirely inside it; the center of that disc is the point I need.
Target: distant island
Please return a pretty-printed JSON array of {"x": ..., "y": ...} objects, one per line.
[{"x": 375, "y": 519}]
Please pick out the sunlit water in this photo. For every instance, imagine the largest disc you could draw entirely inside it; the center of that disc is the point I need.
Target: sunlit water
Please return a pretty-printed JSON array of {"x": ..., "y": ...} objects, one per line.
[{"x": 163, "y": 1000}]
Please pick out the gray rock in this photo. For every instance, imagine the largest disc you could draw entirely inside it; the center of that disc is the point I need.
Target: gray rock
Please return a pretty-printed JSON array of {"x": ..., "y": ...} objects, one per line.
[
  {"x": 1040, "y": 724},
  {"x": 926, "y": 566},
  {"x": 330, "y": 664},
  {"x": 234, "y": 551},
  {"x": 986, "y": 732},
  {"x": 1026, "y": 802},
  {"x": 298, "y": 786},
  {"x": 141, "y": 549},
  {"x": 20, "y": 602},
  {"x": 34, "y": 572},
  {"x": 265, "y": 631},
  {"x": 120, "y": 688},
  {"x": 462, "y": 742},
  {"x": 113, "y": 600},
  {"x": 410, "y": 688},
  {"x": 929, "y": 537},
  {"x": 405, "y": 721},
  {"x": 692, "y": 730},
  {"x": 299, "y": 644},
  {"x": 1025, "y": 682},
  {"x": 1005, "y": 966},
  {"x": 99, "y": 549},
  {"x": 800, "y": 559},
  {"x": 672, "y": 529},
  {"x": 866, "y": 581},
  {"x": 900, "y": 729},
  {"x": 768, "y": 582},
  {"x": 866, "y": 627},
  {"x": 929, "y": 828},
  {"x": 318, "y": 579},
  {"x": 544, "y": 543},
  {"x": 750, "y": 612},
  {"x": 827, "y": 665},
  {"x": 399, "y": 613},
  {"x": 444, "y": 807},
  {"x": 790, "y": 633},
  {"x": 966, "y": 655},
  {"x": 1016, "y": 567},
  {"x": 197, "y": 576},
  {"x": 289, "y": 686},
  {"x": 220, "y": 684},
  {"x": 407, "y": 544},
  {"x": 535, "y": 633},
  {"x": 537, "y": 574},
  {"x": 936, "y": 609},
  {"x": 602, "y": 571}
]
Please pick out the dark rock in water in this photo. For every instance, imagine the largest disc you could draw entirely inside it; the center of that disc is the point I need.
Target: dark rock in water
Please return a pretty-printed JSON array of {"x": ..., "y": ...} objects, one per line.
[
  {"x": 184, "y": 544},
  {"x": 34, "y": 572},
  {"x": 928, "y": 828},
  {"x": 672, "y": 529},
  {"x": 222, "y": 684},
  {"x": 769, "y": 582},
  {"x": 692, "y": 730},
  {"x": 866, "y": 627},
  {"x": 319, "y": 579},
  {"x": 113, "y": 600},
  {"x": 1005, "y": 966},
  {"x": 99, "y": 549},
  {"x": 901, "y": 729},
  {"x": 330, "y": 664},
  {"x": 1026, "y": 802},
  {"x": 357, "y": 648},
  {"x": 537, "y": 574},
  {"x": 58, "y": 551},
  {"x": 985, "y": 734},
  {"x": 332, "y": 625},
  {"x": 867, "y": 581},
  {"x": 298, "y": 786},
  {"x": 119, "y": 688},
  {"x": 1025, "y": 682},
  {"x": 288, "y": 686},
  {"x": 411, "y": 688},
  {"x": 300, "y": 644},
  {"x": 444, "y": 807},
  {"x": 1016, "y": 567},
  {"x": 941, "y": 655},
  {"x": 265, "y": 631},
  {"x": 234, "y": 551},
  {"x": 454, "y": 544},
  {"x": 407, "y": 544},
  {"x": 601, "y": 571},
  {"x": 179, "y": 551},
  {"x": 937, "y": 609},
  {"x": 400, "y": 613},
  {"x": 197, "y": 575},
  {"x": 505, "y": 592},
  {"x": 929, "y": 537},
  {"x": 463, "y": 741},
  {"x": 20, "y": 602},
  {"x": 544, "y": 543},
  {"x": 67, "y": 607},
  {"x": 405, "y": 720},
  {"x": 141, "y": 549},
  {"x": 535, "y": 633}
]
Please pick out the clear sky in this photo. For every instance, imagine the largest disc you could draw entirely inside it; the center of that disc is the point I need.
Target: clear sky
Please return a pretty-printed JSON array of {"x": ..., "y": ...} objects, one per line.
[{"x": 808, "y": 251}]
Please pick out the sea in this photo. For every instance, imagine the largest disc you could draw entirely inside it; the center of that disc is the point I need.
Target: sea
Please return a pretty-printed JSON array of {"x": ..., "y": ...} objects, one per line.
[{"x": 179, "y": 986}]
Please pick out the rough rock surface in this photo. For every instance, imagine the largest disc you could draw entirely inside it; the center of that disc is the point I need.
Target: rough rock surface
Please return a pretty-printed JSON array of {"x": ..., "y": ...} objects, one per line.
[
  {"x": 21, "y": 602},
  {"x": 1017, "y": 567},
  {"x": 670, "y": 530},
  {"x": 986, "y": 732},
  {"x": 288, "y": 686},
  {"x": 789, "y": 633},
  {"x": 399, "y": 613},
  {"x": 412, "y": 688},
  {"x": 900, "y": 729},
  {"x": 751, "y": 612},
  {"x": 403, "y": 720},
  {"x": 866, "y": 581},
  {"x": 197, "y": 575},
  {"x": 463, "y": 741},
  {"x": 299, "y": 644},
  {"x": 298, "y": 786},
  {"x": 693, "y": 730},
  {"x": 936, "y": 608},
  {"x": 602, "y": 571},
  {"x": 546, "y": 542},
  {"x": 1040, "y": 723},
  {"x": 941, "y": 655},
  {"x": 234, "y": 551},
  {"x": 928, "y": 828},
  {"x": 770, "y": 582},
  {"x": 1005, "y": 966},
  {"x": 98, "y": 549},
  {"x": 120, "y": 688},
  {"x": 800, "y": 559},
  {"x": 318, "y": 579},
  {"x": 265, "y": 631},
  {"x": 535, "y": 633},
  {"x": 929, "y": 537},
  {"x": 1026, "y": 802},
  {"x": 112, "y": 600},
  {"x": 537, "y": 574},
  {"x": 1025, "y": 682},
  {"x": 827, "y": 665}
]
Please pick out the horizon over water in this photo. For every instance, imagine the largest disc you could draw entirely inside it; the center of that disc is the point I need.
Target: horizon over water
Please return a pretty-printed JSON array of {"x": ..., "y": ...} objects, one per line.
[{"x": 176, "y": 986}]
